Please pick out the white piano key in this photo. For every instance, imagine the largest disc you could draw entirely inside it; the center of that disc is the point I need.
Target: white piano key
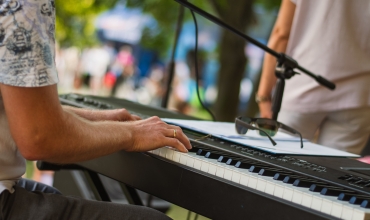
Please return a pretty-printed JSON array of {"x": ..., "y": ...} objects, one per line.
[
  {"x": 244, "y": 177},
  {"x": 336, "y": 210},
  {"x": 162, "y": 152},
  {"x": 337, "y": 206},
  {"x": 169, "y": 154},
  {"x": 361, "y": 214},
  {"x": 220, "y": 171},
  {"x": 252, "y": 181},
  {"x": 326, "y": 205},
  {"x": 279, "y": 189},
  {"x": 176, "y": 156},
  {"x": 183, "y": 158},
  {"x": 236, "y": 176},
  {"x": 228, "y": 173},
  {"x": 190, "y": 162},
  {"x": 261, "y": 184},
  {"x": 297, "y": 196},
  {"x": 347, "y": 212},
  {"x": 302, "y": 196},
  {"x": 204, "y": 167},
  {"x": 197, "y": 163},
  {"x": 212, "y": 169},
  {"x": 270, "y": 187},
  {"x": 316, "y": 203},
  {"x": 288, "y": 193}
]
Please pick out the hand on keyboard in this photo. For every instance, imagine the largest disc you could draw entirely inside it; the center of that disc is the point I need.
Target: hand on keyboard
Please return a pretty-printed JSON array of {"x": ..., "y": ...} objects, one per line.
[
  {"x": 124, "y": 115},
  {"x": 153, "y": 133}
]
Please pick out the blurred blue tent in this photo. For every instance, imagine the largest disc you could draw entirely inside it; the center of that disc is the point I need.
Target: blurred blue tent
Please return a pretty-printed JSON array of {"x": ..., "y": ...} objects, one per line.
[{"x": 122, "y": 24}]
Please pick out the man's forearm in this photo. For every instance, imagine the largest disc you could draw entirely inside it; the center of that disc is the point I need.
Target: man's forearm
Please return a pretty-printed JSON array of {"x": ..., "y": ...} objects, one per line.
[
  {"x": 99, "y": 115},
  {"x": 75, "y": 139}
]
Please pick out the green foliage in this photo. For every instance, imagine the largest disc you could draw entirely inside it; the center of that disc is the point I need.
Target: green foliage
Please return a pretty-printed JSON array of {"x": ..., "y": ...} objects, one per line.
[
  {"x": 75, "y": 20},
  {"x": 165, "y": 12},
  {"x": 269, "y": 4}
]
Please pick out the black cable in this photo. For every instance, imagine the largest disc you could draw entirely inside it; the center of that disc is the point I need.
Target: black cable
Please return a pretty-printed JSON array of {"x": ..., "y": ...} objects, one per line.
[
  {"x": 172, "y": 65},
  {"x": 196, "y": 67}
]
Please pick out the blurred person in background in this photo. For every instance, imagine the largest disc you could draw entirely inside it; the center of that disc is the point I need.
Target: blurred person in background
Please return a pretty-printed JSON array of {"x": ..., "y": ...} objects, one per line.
[
  {"x": 329, "y": 38},
  {"x": 125, "y": 67},
  {"x": 184, "y": 98}
]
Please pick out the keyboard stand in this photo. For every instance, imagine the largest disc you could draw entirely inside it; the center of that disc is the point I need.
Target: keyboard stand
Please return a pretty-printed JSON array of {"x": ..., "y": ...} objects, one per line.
[{"x": 94, "y": 183}]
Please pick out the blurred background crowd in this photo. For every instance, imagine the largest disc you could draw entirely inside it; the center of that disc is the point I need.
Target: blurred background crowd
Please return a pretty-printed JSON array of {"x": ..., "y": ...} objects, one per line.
[{"x": 122, "y": 49}]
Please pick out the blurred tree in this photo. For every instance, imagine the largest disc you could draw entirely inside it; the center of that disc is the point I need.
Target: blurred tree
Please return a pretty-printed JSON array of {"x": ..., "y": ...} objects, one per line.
[
  {"x": 232, "y": 57},
  {"x": 75, "y": 21},
  {"x": 231, "y": 49}
]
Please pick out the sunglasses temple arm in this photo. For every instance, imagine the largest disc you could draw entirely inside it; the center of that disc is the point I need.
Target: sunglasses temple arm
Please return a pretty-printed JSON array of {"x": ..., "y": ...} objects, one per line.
[
  {"x": 292, "y": 131},
  {"x": 272, "y": 140},
  {"x": 301, "y": 140}
]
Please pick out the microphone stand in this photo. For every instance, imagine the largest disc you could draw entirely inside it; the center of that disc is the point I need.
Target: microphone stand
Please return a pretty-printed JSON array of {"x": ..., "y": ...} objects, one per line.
[
  {"x": 285, "y": 64},
  {"x": 172, "y": 65}
]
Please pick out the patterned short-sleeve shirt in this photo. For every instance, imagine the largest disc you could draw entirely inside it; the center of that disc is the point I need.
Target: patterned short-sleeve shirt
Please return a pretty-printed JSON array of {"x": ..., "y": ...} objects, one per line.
[
  {"x": 27, "y": 51},
  {"x": 27, "y": 43}
]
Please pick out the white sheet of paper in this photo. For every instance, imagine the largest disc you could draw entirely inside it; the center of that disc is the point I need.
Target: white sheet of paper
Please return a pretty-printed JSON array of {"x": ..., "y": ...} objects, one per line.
[{"x": 286, "y": 144}]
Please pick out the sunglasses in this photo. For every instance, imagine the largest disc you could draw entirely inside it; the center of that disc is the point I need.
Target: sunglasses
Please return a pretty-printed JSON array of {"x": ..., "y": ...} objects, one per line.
[{"x": 265, "y": 127}]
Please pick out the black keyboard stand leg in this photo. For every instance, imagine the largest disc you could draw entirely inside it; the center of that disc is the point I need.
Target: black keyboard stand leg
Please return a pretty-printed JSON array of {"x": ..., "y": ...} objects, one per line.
[
  {"x": 131, "y": 194},
  {"x": 97, "y": 186}
]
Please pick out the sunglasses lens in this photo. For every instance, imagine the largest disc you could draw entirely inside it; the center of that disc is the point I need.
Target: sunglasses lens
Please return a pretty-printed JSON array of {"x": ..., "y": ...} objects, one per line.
[
  {"x": 268, "y": 126},
  {"x": 240, "y": 129}
]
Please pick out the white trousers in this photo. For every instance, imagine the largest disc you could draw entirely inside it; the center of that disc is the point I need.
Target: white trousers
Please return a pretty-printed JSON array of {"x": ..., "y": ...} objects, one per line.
[{"x": 346, "y": 130}]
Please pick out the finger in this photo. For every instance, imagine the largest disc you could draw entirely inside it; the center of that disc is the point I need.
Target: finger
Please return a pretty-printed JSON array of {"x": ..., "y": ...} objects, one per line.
[
  {"x": 135, "y": 117},
  {"x": 175, "y": 143},
  {"x": 176, "y": 132}
]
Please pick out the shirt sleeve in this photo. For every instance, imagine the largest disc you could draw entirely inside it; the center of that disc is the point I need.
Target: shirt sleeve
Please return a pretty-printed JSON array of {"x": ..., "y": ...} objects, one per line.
[{"x": 27, "y": 43}]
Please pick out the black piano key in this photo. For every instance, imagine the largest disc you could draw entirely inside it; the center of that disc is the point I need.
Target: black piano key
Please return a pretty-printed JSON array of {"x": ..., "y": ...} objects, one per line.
[
  {"x": 291, "y": 178},
  {"x": 346, "y": 196},
  {"x": 244, "y": 165},
  {"x": 224, "y": 158},
  {"x": 319, "y": 187},
  {"x": 307, "y": 183},
  {"x": 211, "y": 155},
  {"x": 256, "y": 169},
  {"x": 270, "y": 172},
  {"x": 202, "y": 152},
  {"x": 334, "y": 192},
  {"x": 231, "y": 162},
  {"x": 280, "y": 176},
  {"x": 194, "y": 149},
  {"x": 365, "y": 204},
  {"x": 357, "y": 200}
]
